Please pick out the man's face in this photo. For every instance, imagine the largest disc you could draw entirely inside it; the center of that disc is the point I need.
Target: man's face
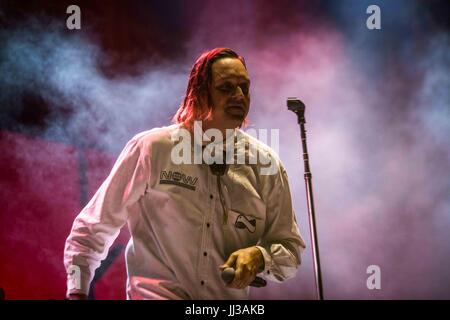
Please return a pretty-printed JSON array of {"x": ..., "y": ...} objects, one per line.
[{"x": 230, "y": 94}]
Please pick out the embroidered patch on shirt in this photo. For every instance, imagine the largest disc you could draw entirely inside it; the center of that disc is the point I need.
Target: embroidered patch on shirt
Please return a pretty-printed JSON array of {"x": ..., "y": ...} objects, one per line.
[
  {"x": 242, "y": 222},
  {"x": 178, "y": 179}
]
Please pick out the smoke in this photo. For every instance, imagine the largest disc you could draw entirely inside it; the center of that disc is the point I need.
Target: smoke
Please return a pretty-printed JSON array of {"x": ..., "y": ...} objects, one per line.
[
  {"x": 378, "y": 126},
  {"x": 377, "y": 120},
  {"x": 82, "y": 107},
  {"x": 64, "y": 70},
  {"x": 379, "y": 154}
]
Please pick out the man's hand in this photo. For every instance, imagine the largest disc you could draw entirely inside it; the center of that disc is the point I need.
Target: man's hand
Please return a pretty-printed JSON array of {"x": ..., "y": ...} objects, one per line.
[
  {"x": 77, "y": 296},
  {"x": 247, "y": 263}
]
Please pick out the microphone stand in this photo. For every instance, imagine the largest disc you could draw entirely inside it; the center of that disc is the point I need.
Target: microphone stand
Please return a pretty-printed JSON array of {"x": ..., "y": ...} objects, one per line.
[{"x": 298, "y": 107}]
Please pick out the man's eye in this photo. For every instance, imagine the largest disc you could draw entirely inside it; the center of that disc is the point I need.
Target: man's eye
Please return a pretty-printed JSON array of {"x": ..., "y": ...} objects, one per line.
[
  {"x": 244, "y": 89},
  {"x": 225, "y": 88}
]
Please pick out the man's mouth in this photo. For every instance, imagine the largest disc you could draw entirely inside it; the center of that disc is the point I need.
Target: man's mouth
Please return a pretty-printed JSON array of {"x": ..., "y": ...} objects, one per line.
[{"x": 235, "y": 110}]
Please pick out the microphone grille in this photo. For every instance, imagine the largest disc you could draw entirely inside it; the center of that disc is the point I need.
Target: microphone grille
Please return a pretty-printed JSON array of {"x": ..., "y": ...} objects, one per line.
[{"x": 228, "y": 275}]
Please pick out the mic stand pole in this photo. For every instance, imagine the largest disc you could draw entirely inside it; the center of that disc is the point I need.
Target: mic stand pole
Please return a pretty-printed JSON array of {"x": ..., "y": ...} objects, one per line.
[{"x": 298, "y": 107}]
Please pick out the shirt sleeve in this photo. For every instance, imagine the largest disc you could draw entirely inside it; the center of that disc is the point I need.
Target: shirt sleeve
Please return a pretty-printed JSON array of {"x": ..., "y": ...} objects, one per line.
[
  {"x": 99, "y": 223},
  {"x": 281, "y": 244}
]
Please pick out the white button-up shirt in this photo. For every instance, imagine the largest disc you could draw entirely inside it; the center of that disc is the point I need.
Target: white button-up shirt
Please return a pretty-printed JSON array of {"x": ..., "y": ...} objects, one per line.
[{"x": 184, "y": 221}]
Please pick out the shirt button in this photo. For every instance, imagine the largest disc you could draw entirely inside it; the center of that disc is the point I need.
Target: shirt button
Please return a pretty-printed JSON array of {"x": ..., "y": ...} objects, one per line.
[
  {"x": 211, "y": 196},
  {"x": 205, "y": 253},
  {"x": 202, "y": 282},
  {"x": 208, "y": 224}
]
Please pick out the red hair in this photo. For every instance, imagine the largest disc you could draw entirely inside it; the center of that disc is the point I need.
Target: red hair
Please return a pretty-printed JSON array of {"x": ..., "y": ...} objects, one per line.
[{"x": 193, "y": 108}]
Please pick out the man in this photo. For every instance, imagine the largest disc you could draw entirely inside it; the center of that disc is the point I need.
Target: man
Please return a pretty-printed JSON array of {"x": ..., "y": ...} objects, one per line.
[{"x": 189, "y": 221}]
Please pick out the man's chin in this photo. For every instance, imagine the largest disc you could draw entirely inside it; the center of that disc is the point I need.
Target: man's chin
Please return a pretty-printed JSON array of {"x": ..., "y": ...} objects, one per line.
[
  {"x": 235, "y": 121},
  {"x": 239, "y": 117}
]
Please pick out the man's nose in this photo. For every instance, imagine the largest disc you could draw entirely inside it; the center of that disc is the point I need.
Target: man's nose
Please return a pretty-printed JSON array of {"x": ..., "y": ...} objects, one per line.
[{"x": 238, "y": 93}]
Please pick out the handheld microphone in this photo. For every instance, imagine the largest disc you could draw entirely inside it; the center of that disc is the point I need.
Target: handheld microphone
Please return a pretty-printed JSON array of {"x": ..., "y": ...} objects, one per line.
[{"x": 228, "y": 276}]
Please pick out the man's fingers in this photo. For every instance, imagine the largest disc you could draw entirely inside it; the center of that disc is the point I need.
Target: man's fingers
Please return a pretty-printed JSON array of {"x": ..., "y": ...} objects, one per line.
[
  {"x": 243, "y": 276},
  {"x": 237, "y": 280},
  {"x": 230, "y": 262},
  {"x": 245, "y": 268}
]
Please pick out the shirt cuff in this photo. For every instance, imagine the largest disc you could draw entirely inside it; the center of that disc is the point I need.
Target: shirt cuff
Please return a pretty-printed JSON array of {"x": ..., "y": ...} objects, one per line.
[
  {"x": 77, "y": 284},
  {"x": 267, "y": 260}
]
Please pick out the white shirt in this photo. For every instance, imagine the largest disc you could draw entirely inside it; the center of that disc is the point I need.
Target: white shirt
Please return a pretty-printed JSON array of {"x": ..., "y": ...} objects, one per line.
[{"x": 182, "y": 226}]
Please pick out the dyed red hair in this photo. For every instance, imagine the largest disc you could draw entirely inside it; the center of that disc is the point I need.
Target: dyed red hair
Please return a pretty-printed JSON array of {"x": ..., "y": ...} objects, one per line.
[{"x": 197, "y": 104}]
